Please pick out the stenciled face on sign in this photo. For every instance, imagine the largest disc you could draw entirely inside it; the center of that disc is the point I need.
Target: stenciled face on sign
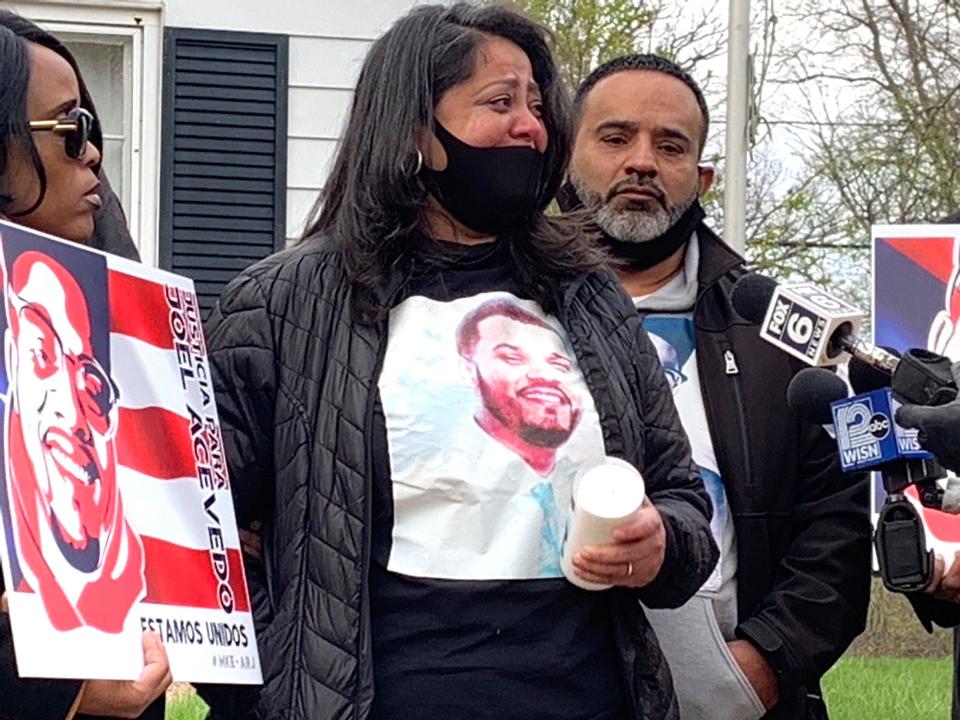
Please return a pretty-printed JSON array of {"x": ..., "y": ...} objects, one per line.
[
  {"x": 61, "y": 423},
  {"x": 64, "y": 406}
]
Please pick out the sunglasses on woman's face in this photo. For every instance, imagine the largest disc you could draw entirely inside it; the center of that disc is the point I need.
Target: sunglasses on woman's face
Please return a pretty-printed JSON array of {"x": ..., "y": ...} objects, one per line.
[{"x": 75, "y": 129}]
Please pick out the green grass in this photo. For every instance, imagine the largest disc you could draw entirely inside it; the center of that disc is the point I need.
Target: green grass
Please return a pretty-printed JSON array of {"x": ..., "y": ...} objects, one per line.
[
  {"x": 183, "y": 704},
  {"x": 884, "y": 688},
  {"x": 857, "y": 688}
]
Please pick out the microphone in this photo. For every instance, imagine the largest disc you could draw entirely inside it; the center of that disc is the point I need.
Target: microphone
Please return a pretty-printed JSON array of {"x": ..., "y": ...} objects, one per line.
[
  {"x": 867, "y": 435},
  {"x": 806, "y": 322},
  {"x": 751, "y": 296},
  {"x": 937, "y": 422},
  {"x": 900, "y": 539},
  {"x": 938, "y": 430},
  {"x": 866, "y": 378},
  {"x": 862, "y": 424},
  {"x": 912, "y": 446},
  {"x": 816, "y": 394},
  {"x": 810, "y": 394},
  {"x": 924, "y": 378},
  {"x": 821, "y": 330},
  {"x": 819, "y": 396}
]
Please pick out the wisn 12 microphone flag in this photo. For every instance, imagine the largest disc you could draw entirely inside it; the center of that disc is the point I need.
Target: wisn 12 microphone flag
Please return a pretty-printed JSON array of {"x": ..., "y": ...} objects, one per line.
[
  {"x": 867, "y": 435},
  {"x": 115, "y": 501}
]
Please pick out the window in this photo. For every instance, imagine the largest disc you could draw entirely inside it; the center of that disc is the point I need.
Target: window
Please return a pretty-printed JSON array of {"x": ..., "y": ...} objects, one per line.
[
  {"x": 119, "y": 49},
  {"x": 106, "y": 63}
]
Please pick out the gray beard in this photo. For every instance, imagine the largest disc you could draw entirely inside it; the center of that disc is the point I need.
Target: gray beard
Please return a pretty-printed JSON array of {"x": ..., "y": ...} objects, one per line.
[{"x": 631, "y": 226}]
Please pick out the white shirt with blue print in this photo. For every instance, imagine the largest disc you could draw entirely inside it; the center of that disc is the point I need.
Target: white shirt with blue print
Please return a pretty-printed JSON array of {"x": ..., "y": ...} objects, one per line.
[{"x": 708, "y": 682}]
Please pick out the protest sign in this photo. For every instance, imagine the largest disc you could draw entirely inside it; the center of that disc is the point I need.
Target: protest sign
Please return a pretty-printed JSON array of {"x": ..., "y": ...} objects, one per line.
[
  {"x": 115, "y": 501},
  {"x": 916, "y": 304}
]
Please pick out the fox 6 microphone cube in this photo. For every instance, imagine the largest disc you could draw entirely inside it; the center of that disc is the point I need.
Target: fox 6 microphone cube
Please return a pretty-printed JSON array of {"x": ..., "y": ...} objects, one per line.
[
  {"x": 802, "y": 317},
  {"x": 867, "y": 436}
]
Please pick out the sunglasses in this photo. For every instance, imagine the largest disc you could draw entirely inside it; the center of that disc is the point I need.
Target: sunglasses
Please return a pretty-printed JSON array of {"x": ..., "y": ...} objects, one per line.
[{"x": 75, "y": 129}]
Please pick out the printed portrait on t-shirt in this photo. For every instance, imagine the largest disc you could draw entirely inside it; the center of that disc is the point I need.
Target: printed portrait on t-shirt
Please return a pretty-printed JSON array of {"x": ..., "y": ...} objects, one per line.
[
  {"x": 488, "y": 418},
  {"x": 524, "y": 378},
  {"x": 673, "y": 338}
]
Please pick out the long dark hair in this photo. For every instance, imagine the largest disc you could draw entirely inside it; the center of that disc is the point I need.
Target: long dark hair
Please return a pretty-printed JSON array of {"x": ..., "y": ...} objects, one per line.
[
  {"x": 15, "y": 136},
  {"x": 373, "y": 199},
  {"x": 17, "y": 83}
]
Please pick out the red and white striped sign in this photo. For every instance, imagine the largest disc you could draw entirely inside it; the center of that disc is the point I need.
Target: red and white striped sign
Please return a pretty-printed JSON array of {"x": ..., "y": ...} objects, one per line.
[{"x": 115, "y": 506}]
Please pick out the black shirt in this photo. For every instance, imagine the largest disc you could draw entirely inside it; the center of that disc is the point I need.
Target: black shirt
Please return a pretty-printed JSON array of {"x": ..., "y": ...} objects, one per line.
[{"x": 483, "y": 647}]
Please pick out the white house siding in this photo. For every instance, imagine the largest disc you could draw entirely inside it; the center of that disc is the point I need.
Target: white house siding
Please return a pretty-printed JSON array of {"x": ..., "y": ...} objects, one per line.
[
  {"x": 328, "y": 40},
  {"x": 322, "y": 74}
]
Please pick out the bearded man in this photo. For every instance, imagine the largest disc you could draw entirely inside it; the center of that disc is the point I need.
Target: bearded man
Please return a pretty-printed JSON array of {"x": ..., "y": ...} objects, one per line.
[{"x": 790, "y": 591}]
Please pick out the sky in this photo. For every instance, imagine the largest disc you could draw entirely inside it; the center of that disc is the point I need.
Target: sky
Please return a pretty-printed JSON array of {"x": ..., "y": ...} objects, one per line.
[{"x": 785, "y": 128}]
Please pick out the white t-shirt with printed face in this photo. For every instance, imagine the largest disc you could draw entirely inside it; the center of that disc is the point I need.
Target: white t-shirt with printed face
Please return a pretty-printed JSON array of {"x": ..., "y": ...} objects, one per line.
[
  {"x": 487, "y": 423},
  {"x": 673, "y": 337},
  {"x": 480, "y": 421}
]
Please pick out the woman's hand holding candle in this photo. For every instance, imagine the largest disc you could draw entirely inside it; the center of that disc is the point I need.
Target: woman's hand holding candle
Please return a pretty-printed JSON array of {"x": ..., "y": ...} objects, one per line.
[{"x": 635, "y": 556}]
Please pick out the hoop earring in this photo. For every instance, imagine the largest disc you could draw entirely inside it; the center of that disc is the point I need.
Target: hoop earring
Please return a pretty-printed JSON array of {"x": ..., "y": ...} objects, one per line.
[{"x": 418, "y": 165}]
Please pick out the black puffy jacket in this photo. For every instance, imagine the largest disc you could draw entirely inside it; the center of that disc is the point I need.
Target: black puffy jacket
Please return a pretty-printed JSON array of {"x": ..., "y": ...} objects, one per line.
[{"x": 296, "y": 380}]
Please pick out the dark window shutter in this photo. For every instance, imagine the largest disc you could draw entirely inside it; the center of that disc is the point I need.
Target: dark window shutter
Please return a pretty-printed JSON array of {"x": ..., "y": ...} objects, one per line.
[{"x": 224, "y": 155}]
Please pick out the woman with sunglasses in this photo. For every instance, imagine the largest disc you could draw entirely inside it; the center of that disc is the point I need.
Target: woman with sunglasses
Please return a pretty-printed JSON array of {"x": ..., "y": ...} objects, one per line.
[
  {"x": 48, "y": 182},
  {"x": 78, "y": 128}
]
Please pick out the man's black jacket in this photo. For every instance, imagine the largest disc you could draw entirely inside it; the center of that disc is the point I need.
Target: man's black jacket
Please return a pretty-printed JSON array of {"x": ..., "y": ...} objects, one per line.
[
  {"x": 296, "y": 380},
  {"x": 802, "y": 527}
]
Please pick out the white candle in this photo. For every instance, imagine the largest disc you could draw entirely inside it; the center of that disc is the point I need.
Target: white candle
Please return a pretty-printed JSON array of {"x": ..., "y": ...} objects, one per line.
[{"x": 605, "y": 494}]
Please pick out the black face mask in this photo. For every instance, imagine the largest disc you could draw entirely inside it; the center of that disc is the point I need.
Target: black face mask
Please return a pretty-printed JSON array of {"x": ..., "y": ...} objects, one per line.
[
  {"x": 641, "y": 255},
  {"x": 486, "y": 189}
]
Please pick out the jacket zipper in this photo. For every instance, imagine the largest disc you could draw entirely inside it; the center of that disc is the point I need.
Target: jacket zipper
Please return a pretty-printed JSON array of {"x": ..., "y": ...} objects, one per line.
[
  {"x": 732, "y": 370},
  {"x": 730, "y": 363}
]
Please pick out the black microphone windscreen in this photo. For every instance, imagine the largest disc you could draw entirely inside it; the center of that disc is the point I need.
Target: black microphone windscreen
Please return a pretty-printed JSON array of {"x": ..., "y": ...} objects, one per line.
[
  {"x": 751, "y": 296},
  {"x": 811, "y": 391},
  {"x": 866, "y": 378}
]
